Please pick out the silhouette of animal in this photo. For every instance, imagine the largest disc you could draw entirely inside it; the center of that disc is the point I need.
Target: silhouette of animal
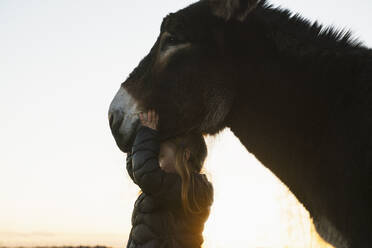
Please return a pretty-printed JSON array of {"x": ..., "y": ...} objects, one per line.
[{"x": 298, "y": 96}]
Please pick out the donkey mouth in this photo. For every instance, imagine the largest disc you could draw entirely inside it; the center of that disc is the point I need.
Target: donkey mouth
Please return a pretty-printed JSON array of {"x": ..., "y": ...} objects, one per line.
[
  {"x": 124, "y": 136},
  {"x": 124, "y": 119}
]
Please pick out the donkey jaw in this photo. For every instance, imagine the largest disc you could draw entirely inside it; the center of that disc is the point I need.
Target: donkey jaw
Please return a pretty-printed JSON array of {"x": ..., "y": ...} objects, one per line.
[{"x": 123, "y": 119}]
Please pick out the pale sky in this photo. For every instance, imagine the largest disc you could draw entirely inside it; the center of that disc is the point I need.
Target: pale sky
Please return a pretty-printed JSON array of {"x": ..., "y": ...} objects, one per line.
[{"x": 62, "y": 178}]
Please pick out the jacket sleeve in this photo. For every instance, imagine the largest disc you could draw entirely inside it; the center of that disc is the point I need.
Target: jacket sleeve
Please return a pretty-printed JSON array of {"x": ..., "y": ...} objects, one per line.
[
  {"x": 130, "y": 166},
  {"x": 147, "y": 173}
]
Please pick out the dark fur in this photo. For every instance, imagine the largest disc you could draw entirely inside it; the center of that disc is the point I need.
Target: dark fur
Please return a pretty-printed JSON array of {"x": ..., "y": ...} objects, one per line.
[{"x": 298, "y": 96}]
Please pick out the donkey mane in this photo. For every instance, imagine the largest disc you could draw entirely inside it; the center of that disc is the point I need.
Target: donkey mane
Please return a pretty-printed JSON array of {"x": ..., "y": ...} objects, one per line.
[{"x": 307, "y": 31}]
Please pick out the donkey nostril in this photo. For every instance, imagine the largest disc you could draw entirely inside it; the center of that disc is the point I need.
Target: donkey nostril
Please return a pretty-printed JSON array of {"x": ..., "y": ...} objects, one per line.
[
  {"x": 111, "y": 118},
  {"x": 115, "y": 119}
]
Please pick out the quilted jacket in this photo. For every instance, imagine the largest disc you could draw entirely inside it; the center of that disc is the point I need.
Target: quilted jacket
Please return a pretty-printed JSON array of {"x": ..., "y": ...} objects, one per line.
[{"x": 158, "y": 219}]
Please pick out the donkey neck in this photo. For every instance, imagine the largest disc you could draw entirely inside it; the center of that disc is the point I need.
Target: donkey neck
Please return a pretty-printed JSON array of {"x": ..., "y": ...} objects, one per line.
[
  {"x": 280, "y": 141},
  {"x": 281, "y": 110}
]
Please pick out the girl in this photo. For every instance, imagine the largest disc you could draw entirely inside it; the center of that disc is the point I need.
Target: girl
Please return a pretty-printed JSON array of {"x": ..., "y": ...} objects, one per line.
[{"x": 176, "y": 198}]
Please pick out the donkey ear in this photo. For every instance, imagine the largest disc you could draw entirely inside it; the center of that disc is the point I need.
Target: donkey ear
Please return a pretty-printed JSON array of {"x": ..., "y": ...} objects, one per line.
[{"x": 233, "y": 9}]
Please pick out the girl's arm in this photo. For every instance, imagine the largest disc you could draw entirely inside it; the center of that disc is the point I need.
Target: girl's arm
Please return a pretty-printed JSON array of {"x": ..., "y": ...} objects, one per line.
[
  {"x": 147, "y": 173},
  {"x": 130, "y": 166}
]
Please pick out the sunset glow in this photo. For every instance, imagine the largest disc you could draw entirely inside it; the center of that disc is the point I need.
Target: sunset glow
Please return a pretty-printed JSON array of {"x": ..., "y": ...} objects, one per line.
[
  {"x": 252, "y": 207},
  {"x": 62, "y": 177}
]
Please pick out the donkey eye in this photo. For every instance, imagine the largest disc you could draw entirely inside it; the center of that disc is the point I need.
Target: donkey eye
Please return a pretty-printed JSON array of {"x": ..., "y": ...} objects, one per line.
[
  {"x": 172, "y": 40},
  {"x": 171, "y": 43}
]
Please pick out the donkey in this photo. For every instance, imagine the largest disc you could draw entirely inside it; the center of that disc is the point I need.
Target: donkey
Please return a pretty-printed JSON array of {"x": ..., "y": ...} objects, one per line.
[{"x": 297, "y": 95}]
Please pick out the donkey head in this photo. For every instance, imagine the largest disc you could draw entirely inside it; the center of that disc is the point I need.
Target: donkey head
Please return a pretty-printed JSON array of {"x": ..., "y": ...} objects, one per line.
[{"x": 188, "y": 76}]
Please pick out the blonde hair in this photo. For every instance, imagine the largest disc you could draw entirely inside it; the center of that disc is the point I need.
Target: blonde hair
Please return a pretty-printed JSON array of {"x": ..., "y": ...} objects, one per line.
[{"x": 193, "y": 143}]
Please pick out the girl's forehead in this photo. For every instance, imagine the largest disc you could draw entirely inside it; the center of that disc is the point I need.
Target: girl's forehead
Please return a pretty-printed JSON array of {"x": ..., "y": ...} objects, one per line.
[{"x": 168, "y": 143}]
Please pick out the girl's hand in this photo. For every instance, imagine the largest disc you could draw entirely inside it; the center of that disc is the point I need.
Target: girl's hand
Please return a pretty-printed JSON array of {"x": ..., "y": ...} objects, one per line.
[{"x": 149, "y": 119}]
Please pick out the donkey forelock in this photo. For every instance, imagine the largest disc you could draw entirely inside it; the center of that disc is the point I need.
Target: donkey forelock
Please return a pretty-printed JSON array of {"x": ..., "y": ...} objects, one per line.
[{"x": 233, "y": 9}]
